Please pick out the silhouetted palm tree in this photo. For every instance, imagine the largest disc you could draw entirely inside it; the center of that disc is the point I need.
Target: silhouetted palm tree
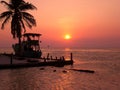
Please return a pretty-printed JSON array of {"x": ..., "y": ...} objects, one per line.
[{"x": 16, "y": 12}]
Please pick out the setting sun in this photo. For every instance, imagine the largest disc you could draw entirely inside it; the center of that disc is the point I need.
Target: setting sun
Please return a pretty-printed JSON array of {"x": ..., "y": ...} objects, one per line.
[{"x": 67, "y": 36}]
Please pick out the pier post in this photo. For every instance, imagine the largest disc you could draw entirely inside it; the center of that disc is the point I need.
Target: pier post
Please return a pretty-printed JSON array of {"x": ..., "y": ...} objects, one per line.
[
  {"x": 44, "y": 59},
  {"x": 63, "y": 58},
  {"x": 71, "y": 56},
  {"x": 48, "y": 56},
  {"x": 11, "y": 59},
  {"x": 51, "y": 57},
  {"x": 56, "y": 58}
]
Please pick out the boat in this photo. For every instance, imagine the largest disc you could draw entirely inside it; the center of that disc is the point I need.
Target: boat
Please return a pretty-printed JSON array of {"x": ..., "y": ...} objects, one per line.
[{"x": 30, "y": 46}]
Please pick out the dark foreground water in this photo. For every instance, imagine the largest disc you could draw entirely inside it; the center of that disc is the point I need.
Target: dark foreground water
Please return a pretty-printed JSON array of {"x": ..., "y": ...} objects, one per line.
[{"x": 105, "y": 63}]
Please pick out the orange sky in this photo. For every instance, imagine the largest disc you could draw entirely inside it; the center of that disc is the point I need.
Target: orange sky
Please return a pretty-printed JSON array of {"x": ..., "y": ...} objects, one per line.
[{"x": 91, "y": 23}]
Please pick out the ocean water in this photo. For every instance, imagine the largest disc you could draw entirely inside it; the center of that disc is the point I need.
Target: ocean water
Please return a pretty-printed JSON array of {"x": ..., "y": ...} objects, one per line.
[{"x": 105, "y": 63}]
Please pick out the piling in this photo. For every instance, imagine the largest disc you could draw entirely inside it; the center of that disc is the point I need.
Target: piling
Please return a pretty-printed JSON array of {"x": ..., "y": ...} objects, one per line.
[
  {"x": 51, "y": 57},
  {"x": 63, "y": 58},
  {"x": 48, "y": 56},
  {"x": 71, "y": 56},
  {"x": 11, "y": 59},
  {"x": 56, "y": 58},
  {"x": 44, "y": 59}
]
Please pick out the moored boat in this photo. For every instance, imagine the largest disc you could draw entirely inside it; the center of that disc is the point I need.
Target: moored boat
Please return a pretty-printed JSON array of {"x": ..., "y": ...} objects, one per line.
[{"x": 30, "y": 46}]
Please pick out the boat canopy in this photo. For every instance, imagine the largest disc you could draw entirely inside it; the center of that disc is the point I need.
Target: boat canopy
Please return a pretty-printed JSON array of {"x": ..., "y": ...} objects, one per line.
[{"x": 31, "y": 34}]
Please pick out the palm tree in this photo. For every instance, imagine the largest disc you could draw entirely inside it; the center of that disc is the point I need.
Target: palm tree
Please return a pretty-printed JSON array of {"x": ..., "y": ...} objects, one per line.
[{"x": 16, "y": 12}]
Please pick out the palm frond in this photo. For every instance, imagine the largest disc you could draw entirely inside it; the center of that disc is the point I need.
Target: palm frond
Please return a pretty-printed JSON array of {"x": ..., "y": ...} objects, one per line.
[
  {"x": 4, "y": 3},
  {"x": 10, "y": 6},
  {"x": 5, "y": 21},
  {"x": 22, "y": 24},
  {"x": 27, "y": 6},
  {"x": 27, "y": 23},
  {"x": 5, "y": 14},
  {"x": 27, "y": 14},
  {"x": 31, "y": 21},
  {"x": 29, "y": 18}
]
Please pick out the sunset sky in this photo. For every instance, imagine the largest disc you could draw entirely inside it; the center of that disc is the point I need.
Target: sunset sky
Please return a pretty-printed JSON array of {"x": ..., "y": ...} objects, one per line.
[{"x": 90, "y": 23}]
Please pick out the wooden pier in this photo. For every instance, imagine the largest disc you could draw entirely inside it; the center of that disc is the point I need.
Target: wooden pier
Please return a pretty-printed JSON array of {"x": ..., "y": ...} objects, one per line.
[{"x": 35, "y": 63}]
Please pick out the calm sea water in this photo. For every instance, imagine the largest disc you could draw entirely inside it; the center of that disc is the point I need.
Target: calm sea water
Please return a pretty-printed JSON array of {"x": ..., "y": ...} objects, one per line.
[{"x": 105, "y": 63}]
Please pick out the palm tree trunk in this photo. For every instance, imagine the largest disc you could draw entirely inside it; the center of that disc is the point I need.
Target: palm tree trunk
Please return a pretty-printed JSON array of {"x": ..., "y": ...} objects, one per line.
[{"x": 20, "y": 44}]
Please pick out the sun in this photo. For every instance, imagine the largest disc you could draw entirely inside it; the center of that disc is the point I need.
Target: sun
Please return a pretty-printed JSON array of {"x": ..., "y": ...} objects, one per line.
[{"x": 67, "y": 37}]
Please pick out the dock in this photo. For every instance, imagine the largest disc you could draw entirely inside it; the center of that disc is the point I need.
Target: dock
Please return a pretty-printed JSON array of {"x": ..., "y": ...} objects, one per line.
[{"x": 61, "y": 62}]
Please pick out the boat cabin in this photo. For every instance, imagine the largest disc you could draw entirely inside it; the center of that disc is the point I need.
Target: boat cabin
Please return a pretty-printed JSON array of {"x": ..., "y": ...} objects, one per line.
[{"x": 30, "y": 46}]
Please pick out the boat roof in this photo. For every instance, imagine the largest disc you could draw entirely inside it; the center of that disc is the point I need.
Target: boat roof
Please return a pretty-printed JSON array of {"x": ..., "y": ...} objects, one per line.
[{"x": 31, "y": 34}]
